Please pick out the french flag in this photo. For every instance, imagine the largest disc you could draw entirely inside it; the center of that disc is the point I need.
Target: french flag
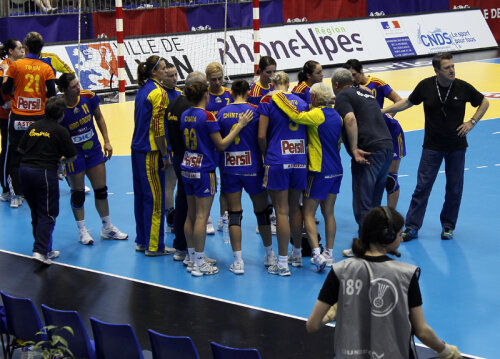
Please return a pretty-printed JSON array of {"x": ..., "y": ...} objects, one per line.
[{"x": 387, "y": 25}]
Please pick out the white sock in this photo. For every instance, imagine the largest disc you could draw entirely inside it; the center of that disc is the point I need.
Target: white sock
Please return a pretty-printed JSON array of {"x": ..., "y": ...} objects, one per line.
[
  {"x": 329, "y": 252},
  {"x": 237, "y": 256},
  {"x": 297, "y": 252},
  {"x": 106, "y": 222},
  {"x": 199, "y": 258},
  {"x": 191, "y": 254},
  {"x": 316, "y": 251},
  {"x": 282, "y": 261},
  {"x": 269, "y": 250},
  {"x": 80, "y": 224}
]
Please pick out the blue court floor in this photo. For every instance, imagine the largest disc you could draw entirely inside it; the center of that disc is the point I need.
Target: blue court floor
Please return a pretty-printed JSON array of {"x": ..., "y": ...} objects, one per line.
[{"x": 459, "y": 281}]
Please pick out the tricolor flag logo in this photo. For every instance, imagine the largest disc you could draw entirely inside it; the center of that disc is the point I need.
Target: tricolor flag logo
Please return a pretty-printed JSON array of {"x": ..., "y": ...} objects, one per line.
[{"x": 388, "y": 25}]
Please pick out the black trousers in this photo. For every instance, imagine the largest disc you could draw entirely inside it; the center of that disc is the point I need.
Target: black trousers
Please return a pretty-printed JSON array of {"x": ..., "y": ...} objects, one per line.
[
  {"x": 3, "y": 132},
  {"x": 180, "y": 213},
  {"x": 41, "y": 191}
]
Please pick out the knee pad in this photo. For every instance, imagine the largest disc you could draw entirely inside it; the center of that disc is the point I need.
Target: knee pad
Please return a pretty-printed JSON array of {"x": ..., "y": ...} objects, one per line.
[
  {"x": 392, "y": 184},
  {"x": 263, "y": 218},
  {"x": 235, "y": 218},
  {"x": 101, "y": 193},
  {"x": 77, "y": 198}
]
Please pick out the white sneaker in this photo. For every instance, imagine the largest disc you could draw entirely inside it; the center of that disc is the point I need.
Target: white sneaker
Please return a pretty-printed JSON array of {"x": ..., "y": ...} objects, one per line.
[
  {"x": 5, "y": 197},
  {"x": 329, "y": 259},
  {"x": 220, "y": 224},
  {"x": 53, "y": 254},
  {"x": 319, "y": 261},
  {"x": 210, "y": 226},
  {"x": 295, "y": 261},
  {"x": 140, "y": 247},
  {"x": 271, "y": 259},
  {"x": 189, "y": 264},
  {"x": 205, "y": 269},
  {"x": 180, "y": 255},
  {"x": 113, "y": 233},
  {"x": 41, "y": 258},
  {"x": 276, "y": 269},
  {"x": 15, "y": 201},
  {"x": 85, "y": 237},
  {"x": 87, "y": 190},
  {"x": 164, "y": 252},
  {"x": 348, "y": 253},
  {"x": 238, "y": 267}
]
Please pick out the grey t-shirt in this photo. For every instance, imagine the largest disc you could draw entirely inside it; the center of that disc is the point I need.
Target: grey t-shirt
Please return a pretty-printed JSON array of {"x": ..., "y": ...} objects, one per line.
[{"x": 373, "y": 134}]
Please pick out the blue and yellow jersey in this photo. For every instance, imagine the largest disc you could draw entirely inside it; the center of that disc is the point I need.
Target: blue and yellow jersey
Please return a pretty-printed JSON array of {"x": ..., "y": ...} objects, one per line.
[
  {"x": 257, "y": 91},
  {"x": 196, "y": 126},
  {"x": 286, "y": 140},
  {"x": 218, "y": 101},
  {"x": 79, "y": 121},
  {"x": 56, "y": 63},
  {"x": 324, "y": 130},
  {"x": 243, "y": 155},
  {"x": 149, "y": 116},
  {"x": 303, "y": 91},
  {"x": 380, "y": 90}
]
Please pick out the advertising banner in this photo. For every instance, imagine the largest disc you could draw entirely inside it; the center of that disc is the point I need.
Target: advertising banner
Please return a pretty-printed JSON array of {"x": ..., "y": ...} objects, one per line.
[
  {"x": 490, "y": 9},
  {"x": 329, "y": 43}
]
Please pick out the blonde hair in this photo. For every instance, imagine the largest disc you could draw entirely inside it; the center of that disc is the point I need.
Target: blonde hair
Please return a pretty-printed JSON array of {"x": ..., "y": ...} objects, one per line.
[
  {"x": 213, "y": 68},
  {"x": 281, "y": 78},
  {"x": 323, "y": 93}
]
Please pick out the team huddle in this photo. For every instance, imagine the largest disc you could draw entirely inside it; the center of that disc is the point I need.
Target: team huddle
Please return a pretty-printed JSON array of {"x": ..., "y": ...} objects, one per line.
[{"x": 281, "y": 147}]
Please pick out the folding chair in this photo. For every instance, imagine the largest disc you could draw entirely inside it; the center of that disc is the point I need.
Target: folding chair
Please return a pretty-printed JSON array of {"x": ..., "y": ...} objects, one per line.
[
  {"x": 79, "y": 343},
  {"x": 166, "y": 347},
  {"x": 115, "y": 341},
  {"x": 223, "y": 352},
  {"x": 23, "y": 322}
]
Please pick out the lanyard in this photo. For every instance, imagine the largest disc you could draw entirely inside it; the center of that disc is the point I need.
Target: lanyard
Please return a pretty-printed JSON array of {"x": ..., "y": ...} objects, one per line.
[{"x": 446, "y": 97}]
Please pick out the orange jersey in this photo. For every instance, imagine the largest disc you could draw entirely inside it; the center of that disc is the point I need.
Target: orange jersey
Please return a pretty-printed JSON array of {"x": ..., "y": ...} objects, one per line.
[
  {"x": 30, "y": 92},
  {"x": 6, "y": 97}
]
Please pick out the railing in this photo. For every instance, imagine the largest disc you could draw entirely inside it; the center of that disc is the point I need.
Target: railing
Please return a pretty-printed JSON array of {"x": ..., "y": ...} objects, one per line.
[{"x": 55, "y": 7}]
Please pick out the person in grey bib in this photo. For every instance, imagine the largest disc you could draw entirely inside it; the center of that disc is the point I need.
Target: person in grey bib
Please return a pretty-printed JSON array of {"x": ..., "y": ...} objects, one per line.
[{"x": 374, "y": 299}]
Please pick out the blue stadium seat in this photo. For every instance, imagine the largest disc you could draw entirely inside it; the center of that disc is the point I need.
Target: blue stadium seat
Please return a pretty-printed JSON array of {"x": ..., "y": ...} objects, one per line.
[
  {"x": 165, "y": 346},
  {"x": 223, "y": 352},
  {"x": 114, "y": 341}
]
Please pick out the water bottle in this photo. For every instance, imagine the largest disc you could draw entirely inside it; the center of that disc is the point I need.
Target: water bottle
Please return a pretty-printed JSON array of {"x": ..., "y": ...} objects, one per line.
[{"x": 225, "y": 229}]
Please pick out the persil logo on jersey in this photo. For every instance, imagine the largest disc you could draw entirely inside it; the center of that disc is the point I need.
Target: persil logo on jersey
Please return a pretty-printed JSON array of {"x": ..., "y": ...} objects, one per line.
[
  {"x": 29, "y": 104},
  {"x": 192, "y": 159},
  {"x": 236, "y": 159},
  {"x": 83, "y": 137},
  {"x": 293, "y": 147},
  {"x": 22, "y": 125}
]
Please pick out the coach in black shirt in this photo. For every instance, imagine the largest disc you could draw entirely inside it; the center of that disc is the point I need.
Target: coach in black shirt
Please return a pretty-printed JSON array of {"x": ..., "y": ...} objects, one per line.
[
  {"x": 43, "y": 145},
  {"x": 176, "y": 140},
  {"x": 444, "y": 99},
  {"x": 368, "y": 141}
]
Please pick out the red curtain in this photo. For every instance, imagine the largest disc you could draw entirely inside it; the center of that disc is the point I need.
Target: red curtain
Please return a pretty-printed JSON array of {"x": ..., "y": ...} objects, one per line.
[
  {"x": 317, "y": 10},
  {"x": 141, "y": 22}
]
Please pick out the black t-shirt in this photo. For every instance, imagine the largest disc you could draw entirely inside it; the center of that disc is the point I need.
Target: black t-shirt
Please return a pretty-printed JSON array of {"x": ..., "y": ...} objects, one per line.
[
  {"x": 174, "y": 112},
  {"x": 373, "y": 134},
  {"x": 330, "y": 291},
  {"x": 440, "y": 130},
  {"x": 44, "y": 143}
]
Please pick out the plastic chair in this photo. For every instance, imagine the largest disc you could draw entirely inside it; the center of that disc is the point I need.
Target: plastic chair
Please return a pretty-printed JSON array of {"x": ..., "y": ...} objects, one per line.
[
  {"x": 223, "y": 352},
  {"x": 4, "y": 331},
  {"x": 23, "y": 322},
  {"x": 115, "y": 341},
  {"x": 167, "y": 347},
  {"x": 79, "y": 343}
]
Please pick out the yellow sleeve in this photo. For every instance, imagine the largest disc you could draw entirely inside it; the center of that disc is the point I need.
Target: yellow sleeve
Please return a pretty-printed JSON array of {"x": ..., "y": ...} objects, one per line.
[
  {"x": 312, "y": 117},
  {"x": 159, "y": 101},
  {"x": 59, "y": 65}
]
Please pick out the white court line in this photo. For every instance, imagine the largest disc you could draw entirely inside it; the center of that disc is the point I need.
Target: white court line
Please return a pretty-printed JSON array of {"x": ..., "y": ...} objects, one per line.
[
  {"x": 129, "y": 192},
  {"x": 482, "y": 167},
  {"x": 496, "y": 133},
  {"x": 441, "y": 171},
  {"x": 166, "y": 287},
  {"x": 466, "y": 169},
  {"x": 497, "y": 164}
]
